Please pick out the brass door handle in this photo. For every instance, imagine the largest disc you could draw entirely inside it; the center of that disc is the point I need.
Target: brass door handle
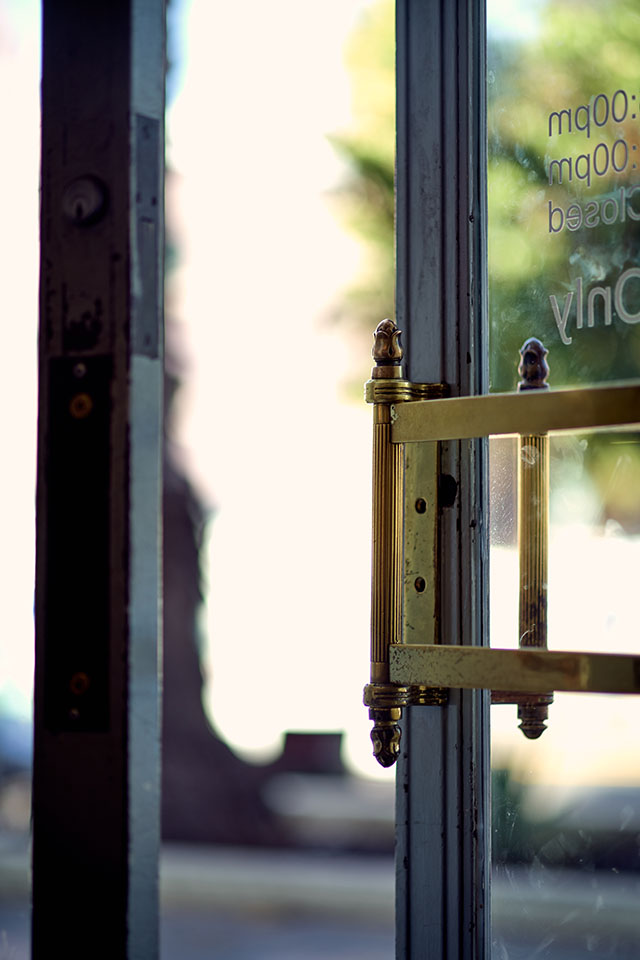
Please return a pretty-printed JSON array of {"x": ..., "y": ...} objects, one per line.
[
  {"x": 408, "y": 665},
  {"x": 533, "y": 535}
]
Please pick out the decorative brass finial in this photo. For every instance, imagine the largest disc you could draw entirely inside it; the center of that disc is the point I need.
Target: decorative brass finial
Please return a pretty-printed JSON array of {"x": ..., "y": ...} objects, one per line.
[
  {"x": 532, "y": 719},
  {"x": 385, "y": 736},
  {"x": 533, "y": 367},
  {"x": 385, "y": 702},
  {"x": 387, "y": 351}
]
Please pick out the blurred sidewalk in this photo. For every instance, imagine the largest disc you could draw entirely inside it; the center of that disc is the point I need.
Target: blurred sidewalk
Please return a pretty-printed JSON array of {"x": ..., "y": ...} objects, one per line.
[
  {"x": 222, "y": 903},
  {"x": 285, "y": 882}
]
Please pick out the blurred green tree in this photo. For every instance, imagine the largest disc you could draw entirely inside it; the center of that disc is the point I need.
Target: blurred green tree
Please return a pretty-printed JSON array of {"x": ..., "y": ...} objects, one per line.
[
  {"x": 581, "y": 48},
  {"x": 365, "y": 199},
  {"x": 583, "y": 56}
]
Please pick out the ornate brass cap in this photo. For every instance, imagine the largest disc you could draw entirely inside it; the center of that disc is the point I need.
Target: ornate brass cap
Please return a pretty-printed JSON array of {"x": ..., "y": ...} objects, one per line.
[
  {"x": 385, "y": 702},
  {"x": 379, "y": 695},
  {"x": 532, "y": 720},
  {"x": 533, "y": 367},
  {"x": 387, "y": 352},
  {"x": 386, "y": 735}
]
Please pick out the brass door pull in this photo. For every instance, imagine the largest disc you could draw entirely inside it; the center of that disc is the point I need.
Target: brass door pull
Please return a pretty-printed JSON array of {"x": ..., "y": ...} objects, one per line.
[
  {"x": 533, "y": 535},
  {"x": 408, "y": 664}
]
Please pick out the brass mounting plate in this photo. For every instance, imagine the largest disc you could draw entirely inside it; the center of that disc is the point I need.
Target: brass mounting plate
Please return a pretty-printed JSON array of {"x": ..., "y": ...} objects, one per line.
[
  {"x": 533, "y": 412},
  {"x": 419, "y": 607},
  {"x": 520, "y": 671}
]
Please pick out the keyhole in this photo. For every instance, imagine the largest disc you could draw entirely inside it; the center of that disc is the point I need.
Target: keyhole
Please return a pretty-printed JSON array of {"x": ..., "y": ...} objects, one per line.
[{"x": 84, "y": 201}]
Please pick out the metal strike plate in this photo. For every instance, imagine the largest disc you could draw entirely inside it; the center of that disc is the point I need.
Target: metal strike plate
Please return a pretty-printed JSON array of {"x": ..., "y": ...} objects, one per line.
[
  {"x": 537, "y": 412},
  {"x": 77, "y": 611},
  {"x": 517, "y": 671},
  {"x": 420, "y": 558},
  {"x": 419, "y": 608}
]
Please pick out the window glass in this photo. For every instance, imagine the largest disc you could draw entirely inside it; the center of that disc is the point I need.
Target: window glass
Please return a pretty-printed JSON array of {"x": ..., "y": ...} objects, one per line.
[
  {"x": 564, "y": 187},
  {"x": 564, "y": 225},
  {"x": 566, "y": 806}
]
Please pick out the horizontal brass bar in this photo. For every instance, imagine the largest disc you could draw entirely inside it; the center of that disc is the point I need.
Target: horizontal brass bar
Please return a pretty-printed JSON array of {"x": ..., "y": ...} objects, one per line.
[
  {"x": 521, "y": 671},
  {"x": 529, "y": 412}
]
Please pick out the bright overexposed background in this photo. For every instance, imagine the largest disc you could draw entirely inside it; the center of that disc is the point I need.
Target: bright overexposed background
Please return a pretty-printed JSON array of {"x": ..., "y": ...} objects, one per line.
[
  {"x": 283, "y": 465},
  {"x": 19, "y": 167},
  {"x": 262, "y": 426},
  {"x": 265, "y": 435}
]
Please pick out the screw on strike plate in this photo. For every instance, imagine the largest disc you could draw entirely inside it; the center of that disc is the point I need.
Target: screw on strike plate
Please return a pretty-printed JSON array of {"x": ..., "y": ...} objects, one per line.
[
  {"x": 81, "y": 406},
  {"x": 84, "y": 201},
  {"x": 79, "y": 684}
]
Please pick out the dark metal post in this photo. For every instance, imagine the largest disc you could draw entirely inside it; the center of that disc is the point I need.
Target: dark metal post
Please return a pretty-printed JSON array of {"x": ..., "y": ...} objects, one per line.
[
  {"x": 98, "y": 586},
  {"x": 443, "y": 772}
]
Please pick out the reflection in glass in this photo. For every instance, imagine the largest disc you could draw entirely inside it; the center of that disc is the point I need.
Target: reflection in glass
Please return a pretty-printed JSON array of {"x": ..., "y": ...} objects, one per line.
[
  {"x": 566, "y": 807},
  {"x": 564, "y": 226},
  {"x": 564, "y": 188}
]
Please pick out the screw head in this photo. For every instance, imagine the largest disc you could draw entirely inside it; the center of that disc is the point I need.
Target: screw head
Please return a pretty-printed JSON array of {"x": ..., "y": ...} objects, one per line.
[
  {"x": 79, "y": 684},
  {"x": 81, "y": 406}
]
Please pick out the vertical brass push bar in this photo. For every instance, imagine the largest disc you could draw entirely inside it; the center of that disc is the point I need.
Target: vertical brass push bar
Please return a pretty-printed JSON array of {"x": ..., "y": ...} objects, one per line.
[
  {"x": 384, "y": 699},
  {"x": 533, "y": 533}
]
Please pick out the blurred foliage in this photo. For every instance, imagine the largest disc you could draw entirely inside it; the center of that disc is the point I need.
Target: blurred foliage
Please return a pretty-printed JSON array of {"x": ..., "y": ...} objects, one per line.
[
  {"x": 582, "y": 48},
  {"x": 524, "y": 832},
  {"x": 511, "y": 828},
  {"x": 365, "y": 199}
]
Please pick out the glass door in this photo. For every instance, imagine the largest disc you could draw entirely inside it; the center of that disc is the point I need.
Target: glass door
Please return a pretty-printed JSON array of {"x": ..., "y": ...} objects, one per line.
[
  {"x": 557, "y": 162},
  {"x": 564, "y": 267}
]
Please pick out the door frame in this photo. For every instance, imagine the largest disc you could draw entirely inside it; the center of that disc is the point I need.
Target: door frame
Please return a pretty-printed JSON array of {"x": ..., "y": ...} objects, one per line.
[
  {"x": 96, "y": 768},
  {"x": 443, "y": 780}
]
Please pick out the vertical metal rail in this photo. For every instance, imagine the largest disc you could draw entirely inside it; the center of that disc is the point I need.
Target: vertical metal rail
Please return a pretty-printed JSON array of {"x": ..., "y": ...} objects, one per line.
[
  {"x": 442, "y": 851},
  {"x": 533, "y": 534},
  {"x": 533, "y": 499},
  {"x": 385, "y": 701},
  {"x": 98, "y": 584},
  {"x": 403, "y": 552}
]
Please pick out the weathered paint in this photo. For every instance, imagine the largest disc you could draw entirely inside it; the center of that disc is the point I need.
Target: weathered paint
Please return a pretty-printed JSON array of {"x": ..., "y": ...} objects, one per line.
[{"x": 443, "y": 776}]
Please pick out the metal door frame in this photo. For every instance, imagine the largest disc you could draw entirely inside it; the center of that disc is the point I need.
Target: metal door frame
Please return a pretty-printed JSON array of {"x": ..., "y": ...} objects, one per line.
[
  {"x": 96, "y": 773},
  {"x": 442, "y": 849}
]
